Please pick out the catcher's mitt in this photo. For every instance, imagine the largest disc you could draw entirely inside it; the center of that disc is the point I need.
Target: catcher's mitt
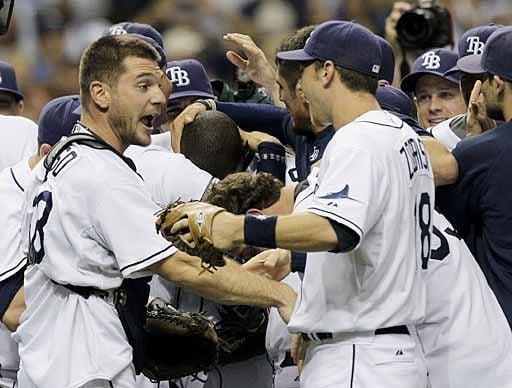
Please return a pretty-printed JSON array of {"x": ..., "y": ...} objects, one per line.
[
  {"x": 241, "y": 331},
  {"x": 178, "y": 343},
  {"x": 200, "y": 217}
]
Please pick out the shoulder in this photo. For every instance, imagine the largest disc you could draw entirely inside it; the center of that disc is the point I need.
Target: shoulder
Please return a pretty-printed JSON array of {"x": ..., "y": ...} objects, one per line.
[
  {"x": 492, "y": 144},
  {"x": 18, "y": 122}
]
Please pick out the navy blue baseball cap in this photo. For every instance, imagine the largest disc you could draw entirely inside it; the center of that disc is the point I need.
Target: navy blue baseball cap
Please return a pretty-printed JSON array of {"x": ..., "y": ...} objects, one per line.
[
  {"x": 472, "y": 42},
  {"x": 8, "y": 81},
  {"x": 58, "y": 118},
  {"x": 495, "y": 58},
  {"x": 156, "y": 46},
  {"x": 347, "y": 44},
  {"x": 387, "y": 70},
  {"x": 436, "y": 62},
  {"x": 394, "y": 100},
  {"x": 188, "y": 78},
  {"x": 136, "y": 28}
]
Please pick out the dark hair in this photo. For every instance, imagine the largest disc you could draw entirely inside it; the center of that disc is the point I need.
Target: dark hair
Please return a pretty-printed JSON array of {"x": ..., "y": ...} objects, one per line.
[
  {"x": 212, "y": 142},
  {"x": 292, "y": 70},
  {"x": 354, "y": 80},
  {"x": 243, "y": 191},
  {"x": 103, "y": 61}
]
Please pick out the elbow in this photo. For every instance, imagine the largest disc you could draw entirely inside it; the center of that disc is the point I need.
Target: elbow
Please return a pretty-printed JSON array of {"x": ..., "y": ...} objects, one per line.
[{"x": 447, "y": 173}]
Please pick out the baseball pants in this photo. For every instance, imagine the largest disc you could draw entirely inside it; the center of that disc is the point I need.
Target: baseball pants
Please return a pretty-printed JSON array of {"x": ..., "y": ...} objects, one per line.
[{"x": 360, "y": 360}]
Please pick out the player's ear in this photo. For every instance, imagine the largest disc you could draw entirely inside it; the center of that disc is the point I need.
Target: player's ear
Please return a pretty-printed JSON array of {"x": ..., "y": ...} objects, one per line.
[
  {"x": 327, "y": 72},
  {"x": 44, "y": 150},
  {"x": 300, "y": 92},
  {"x": 100, "y": 94},
  {"x": 253, "y": 211},
  {"x": 20, "y": 105}
]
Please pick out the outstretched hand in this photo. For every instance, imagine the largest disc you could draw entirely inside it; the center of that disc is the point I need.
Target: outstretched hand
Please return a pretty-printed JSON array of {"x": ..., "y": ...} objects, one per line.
[{"x": 272, "y": 263}]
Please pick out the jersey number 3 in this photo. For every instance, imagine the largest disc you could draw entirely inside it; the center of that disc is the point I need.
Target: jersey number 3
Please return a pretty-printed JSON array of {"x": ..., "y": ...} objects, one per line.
[{"x": 36, "y": 246}]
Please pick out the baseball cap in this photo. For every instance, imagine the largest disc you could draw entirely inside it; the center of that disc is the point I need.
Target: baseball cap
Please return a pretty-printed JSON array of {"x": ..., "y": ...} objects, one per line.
[
  {"x": 394, "y": 100},
  {"x": 436, "y": 62},
  {"x": 136, "y": 28},
  {"x": 472, "y": 42},
  {"x": 387, "y": 70},
  {"x": 188, "y": 78},
  {"x": 157, "y": 47},
  {"x": 495, "y": 58},
  {"x": 347, "y": 44},
  {"x": 8, "y": 80},
  {"x": 58, "y": 118}
]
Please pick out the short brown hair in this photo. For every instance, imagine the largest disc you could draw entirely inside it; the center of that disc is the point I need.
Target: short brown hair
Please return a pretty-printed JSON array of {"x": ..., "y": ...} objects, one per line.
[
  {"x": 103, "y": 61},
  {"x": 354, "y": 80},
  {"x": 243, "y": 191},
  {"x": 292, "y": 70}
]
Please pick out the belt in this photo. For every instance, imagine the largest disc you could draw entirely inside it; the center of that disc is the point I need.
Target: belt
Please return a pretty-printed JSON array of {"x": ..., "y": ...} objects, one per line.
[
  {"x": 288, "y": 360},
  {"x": 402, "y": 329}
]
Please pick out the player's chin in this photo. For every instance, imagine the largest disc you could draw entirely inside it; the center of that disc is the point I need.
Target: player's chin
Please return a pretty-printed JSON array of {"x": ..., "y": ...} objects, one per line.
[{"x": 143, "y": 136}]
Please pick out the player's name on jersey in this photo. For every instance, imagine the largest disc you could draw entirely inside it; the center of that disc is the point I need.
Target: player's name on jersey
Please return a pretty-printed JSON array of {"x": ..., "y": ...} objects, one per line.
[{"x": 415, "y": 155}]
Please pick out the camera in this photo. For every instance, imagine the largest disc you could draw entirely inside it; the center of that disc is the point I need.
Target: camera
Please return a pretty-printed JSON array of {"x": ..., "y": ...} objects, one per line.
[{"x": 426, "y": 26}]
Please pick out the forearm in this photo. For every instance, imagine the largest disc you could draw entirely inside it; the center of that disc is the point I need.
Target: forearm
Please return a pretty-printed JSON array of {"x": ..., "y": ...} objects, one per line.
[
  {"x": 11, "y": 318},
  {"x": 257, "y": 117},
  {"x": 230, "y": 284},
  {"x": 444, "y": 164},
  {"x": 304, "y": 232}
]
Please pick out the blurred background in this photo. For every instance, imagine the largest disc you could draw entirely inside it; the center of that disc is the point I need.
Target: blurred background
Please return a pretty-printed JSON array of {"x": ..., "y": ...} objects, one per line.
[{"x": 46, "y": 38}]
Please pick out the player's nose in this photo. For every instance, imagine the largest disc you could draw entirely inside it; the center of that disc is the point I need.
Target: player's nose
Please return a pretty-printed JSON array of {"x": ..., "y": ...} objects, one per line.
[
  {"x": 158, "y": 97},
  {"x": 435, "y": 104}
]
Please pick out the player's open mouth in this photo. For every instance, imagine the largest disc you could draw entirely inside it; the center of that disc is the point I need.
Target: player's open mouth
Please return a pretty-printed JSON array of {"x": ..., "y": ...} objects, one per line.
[{"x": 147, "y": 121}]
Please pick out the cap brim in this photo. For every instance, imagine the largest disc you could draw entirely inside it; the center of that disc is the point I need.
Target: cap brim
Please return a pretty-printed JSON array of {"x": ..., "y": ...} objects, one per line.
[
  {"x": 408, "y": 84},
  {"x": 471, "y": 64},
  {"x": 190, "y": 93},
  {"x": 16, "y": 94},
  {"x": 295, "y": 55}
]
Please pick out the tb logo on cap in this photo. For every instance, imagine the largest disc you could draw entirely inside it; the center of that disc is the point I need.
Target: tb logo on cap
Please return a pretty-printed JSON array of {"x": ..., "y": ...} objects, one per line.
[
  {"x": 117, "y": 30},
  {"x": 177, "y": 76},
  {"x": 431, "y": 60},
  {"x": 475, "y": 46}
]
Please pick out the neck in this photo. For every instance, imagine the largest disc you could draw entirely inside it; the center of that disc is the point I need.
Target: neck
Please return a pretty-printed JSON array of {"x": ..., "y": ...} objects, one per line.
[
  {"x": 344, "y": 110},
  {"x": 100, "y": 126},
  {"x": 33, "y": 160}
]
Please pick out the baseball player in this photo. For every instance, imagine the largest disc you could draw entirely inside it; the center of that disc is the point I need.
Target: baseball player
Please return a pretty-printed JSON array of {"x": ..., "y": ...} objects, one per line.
[
  {"x": 451, "y": 131},
  {"x": 56, "y": 120},
  {"x": 437, "y": 95},
  {"x": 19, "y": 134},
  {"x": 362, "y": 284},
  {"x": 478, "y": 203},
  {"x": 89, "y": 224}
]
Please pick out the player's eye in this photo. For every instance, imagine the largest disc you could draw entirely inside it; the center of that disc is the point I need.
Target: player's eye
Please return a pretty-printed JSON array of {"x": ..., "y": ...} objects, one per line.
[
  {"x": 423, "y": 98},
  {"x": 143, "y": 86},
  {"x": 446, "y": 95}
]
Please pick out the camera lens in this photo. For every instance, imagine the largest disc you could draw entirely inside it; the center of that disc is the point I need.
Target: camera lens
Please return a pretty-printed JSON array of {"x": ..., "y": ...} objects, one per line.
[{"x": 415, "y": 28}]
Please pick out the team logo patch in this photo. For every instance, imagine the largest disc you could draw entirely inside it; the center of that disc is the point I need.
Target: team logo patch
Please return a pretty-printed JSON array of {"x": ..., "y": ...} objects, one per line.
[
  {"x": 475, "y": 46},
  {"x": 314, "y": 155},
  {"x": 178, "y": 76},
  {"x": 342, "y": 194},
  {"x": 431, "y": 61}
]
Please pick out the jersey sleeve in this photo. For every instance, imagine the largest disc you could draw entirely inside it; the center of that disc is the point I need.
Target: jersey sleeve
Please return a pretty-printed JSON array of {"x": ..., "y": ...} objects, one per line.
[
  {"x": 170, "y": 177},
  {"x": 349, "y": 180},
  {"x": 127, "y": 227},
  {"x": 162, "y": 140}
]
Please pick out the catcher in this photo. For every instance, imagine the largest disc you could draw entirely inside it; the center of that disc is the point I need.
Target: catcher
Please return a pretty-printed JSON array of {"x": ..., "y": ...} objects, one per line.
[{"x": 240, "y": 329}]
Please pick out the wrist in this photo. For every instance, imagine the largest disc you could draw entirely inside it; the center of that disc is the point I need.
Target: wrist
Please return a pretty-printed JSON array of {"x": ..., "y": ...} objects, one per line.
[
  {"x": 209, "y": 103},
  {"x": 260, "y": 231}
]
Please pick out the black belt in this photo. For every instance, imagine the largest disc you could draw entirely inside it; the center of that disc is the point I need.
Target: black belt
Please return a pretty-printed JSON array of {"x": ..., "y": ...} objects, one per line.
[
  {"x": 402, "y": 329},
  {"x": 288, "y": 360}
]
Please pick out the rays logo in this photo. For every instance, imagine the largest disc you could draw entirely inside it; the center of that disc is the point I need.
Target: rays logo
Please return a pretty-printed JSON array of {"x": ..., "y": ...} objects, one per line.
[
  {"x": 475, "y": 46},
  {"x": 431, "y": 60},
  {"x": 117, "y": 30},
  {"x": 314, "y": 154},
  {"x": 178, "y": 76}
]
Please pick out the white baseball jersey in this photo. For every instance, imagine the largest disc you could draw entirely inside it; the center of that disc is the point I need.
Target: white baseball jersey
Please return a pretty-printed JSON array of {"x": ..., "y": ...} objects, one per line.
[
  {"x": 375, "y": 178},
  {"x": 168, "y": 176},
  {"x": 91, "y": 223},
  {"x": 465, "y": 336},
  {"x": 162, "y": 140},
  {"x": 445, "y": 134},
  {"x": 18, "y": 138},
  {"x": 13, "y": 181}
]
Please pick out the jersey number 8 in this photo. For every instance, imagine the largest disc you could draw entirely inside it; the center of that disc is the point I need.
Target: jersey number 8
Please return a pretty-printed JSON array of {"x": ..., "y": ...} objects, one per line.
[{"x": 423, "y": 215}]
